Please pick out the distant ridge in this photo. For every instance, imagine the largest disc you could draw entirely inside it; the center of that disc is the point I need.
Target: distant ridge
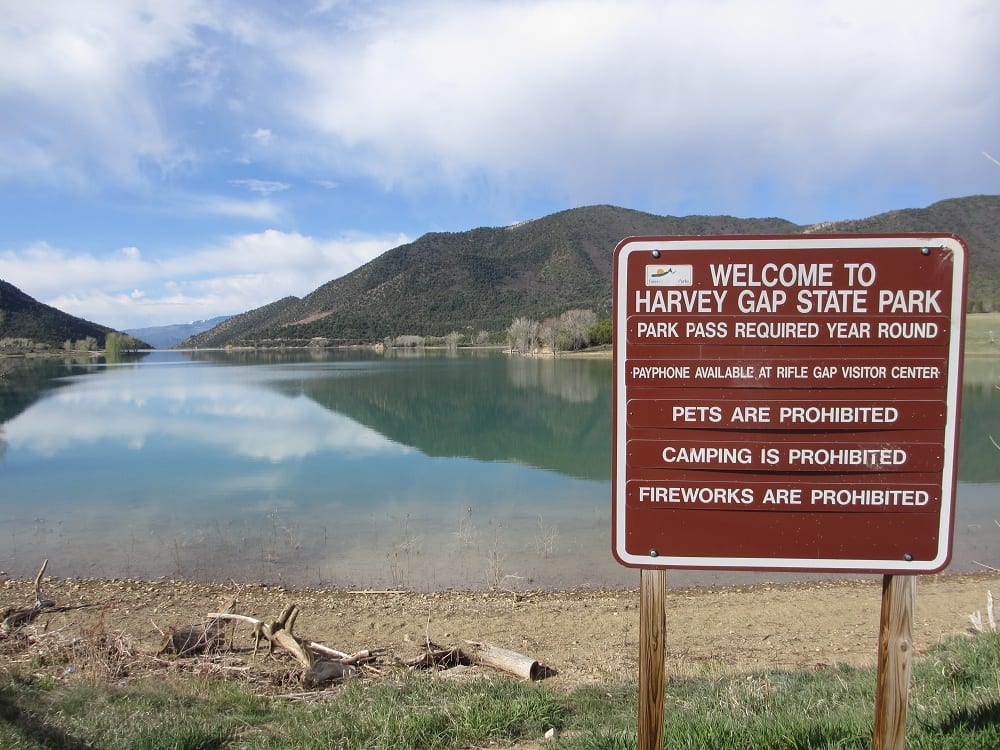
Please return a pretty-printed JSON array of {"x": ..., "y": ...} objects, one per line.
[
  {"x": 483, "y": 278},
  {"x": 164, "y": 337},
  {"x": 237, "y": 327}
]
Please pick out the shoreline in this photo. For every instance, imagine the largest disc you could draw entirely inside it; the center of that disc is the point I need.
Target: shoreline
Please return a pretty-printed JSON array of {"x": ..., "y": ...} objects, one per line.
[{"x": 584, "y": 636}]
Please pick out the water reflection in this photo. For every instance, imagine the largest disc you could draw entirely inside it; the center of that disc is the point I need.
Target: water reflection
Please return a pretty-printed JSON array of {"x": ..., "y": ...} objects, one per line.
[
  {"x": 555, "y": 417},
  {"x": 349, "y": 469},
  {"x": 978, "y": 458},
  {"x": 223, "y": 415},
  {"x": 576, "y": 381},
  {"x": 435, "y": 405}
]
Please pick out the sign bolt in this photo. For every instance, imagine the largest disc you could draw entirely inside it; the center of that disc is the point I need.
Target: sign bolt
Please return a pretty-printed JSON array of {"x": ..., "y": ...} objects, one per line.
[
  {"x": 656, "y": 253},
  {"x": 908, "y": 557},
  {"x": 654, "y": 553},
  {"x": 925, "y": 251}
]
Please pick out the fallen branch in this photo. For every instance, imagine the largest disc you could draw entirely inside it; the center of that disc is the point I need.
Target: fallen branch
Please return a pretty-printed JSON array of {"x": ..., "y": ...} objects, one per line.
[
  {"x": 15, "y": 617},
  {"x": 321, "y": 664},
  {"x": 435, "y": 656},
  {"x": 279, "y": 633},
  {"x": 39, "y": 602}
]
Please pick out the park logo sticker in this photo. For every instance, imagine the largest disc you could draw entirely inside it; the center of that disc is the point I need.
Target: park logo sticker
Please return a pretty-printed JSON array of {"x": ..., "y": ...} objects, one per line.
[{"x": 669, "y": 275}]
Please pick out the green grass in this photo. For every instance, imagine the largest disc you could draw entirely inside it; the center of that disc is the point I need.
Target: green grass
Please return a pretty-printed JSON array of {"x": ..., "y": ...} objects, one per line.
[
  {"x": 982, "y": 333},
  {"x": 954, "y": 703}
]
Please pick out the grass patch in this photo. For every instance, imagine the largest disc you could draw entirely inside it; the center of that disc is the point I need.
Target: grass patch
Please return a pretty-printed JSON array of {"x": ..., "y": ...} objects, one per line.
[
  {"x": 982, "y": 334},
  {"x": 154, "y": 713},
  {"x": 955, "y": 703},
  {"x": 419, "y": 711}
]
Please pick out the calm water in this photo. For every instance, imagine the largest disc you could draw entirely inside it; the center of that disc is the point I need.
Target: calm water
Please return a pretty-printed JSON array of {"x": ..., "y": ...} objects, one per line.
[{"x": 351, "y": 469}]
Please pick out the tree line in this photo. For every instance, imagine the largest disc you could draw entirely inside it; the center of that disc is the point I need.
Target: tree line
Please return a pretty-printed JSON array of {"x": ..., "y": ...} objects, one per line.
[
  {"x": 571, "y": 331},
  {"x": 115, "y": 344}
]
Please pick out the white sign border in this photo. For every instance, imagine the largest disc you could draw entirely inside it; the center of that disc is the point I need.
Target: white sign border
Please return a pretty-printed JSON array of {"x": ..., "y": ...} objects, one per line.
[{"x": 810, "y": 243}]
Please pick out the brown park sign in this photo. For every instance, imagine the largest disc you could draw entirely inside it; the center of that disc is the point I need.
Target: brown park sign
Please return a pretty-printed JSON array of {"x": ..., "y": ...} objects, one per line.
[{"x": 787, "y": 402}]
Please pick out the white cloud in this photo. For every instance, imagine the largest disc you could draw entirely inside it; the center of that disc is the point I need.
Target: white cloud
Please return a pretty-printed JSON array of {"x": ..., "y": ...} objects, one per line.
[
  {"x": 44, "y": 271},
  {"x": 263, "y": 210},
  {"x": 264, "y": 187},
  {"x": 263, "y": 136},
  {"x": 583, "y": 97},
  {"x": 78, "y": 105},
  {"x": 124, "y": 290},
  {"x": 580, "y": 95},
  {"x": 273, "y": 251}
]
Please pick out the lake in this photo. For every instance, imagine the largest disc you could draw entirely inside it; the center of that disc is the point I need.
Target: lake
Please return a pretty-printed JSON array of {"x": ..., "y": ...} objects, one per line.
[{"x": 352, "y": 469}]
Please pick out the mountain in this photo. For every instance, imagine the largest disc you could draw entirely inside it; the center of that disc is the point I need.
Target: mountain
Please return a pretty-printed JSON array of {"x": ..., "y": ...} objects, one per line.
[
  {"x": 164, "y": 337},
  {"x": 470, "y": 281},
  {"x": 24, "y": 317},
  {"x": 975, "y": 219},
  {"x": 484, "y": 278}
]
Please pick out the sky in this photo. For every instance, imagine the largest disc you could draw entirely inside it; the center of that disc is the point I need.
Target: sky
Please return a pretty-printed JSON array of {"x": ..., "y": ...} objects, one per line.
[{"x": 165, "y": 161}]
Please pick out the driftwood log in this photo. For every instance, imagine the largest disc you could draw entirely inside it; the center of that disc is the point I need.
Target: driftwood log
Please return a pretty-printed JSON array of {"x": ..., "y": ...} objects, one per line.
[
  {"x": 504, "y": 660},
  {"x": 191, "y": 640},
  {"x": 483, "y": 654},
  {"x": 322, "y": 665}
]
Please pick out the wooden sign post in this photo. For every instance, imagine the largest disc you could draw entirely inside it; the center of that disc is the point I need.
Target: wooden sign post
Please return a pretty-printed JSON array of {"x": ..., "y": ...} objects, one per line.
[
  {"x": 787, "y": 403},
  {"x": 895, "y": 661},
  {"x": 652, "y": 650}
]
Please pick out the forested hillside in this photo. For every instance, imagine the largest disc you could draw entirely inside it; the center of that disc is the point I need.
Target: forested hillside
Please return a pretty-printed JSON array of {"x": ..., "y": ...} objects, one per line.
[
  {"x": 484, "y": 278},
  {"x": 975, "y": 219},
  {"x": 23, "y": 317},
  {"x": 471, "y": 281}
]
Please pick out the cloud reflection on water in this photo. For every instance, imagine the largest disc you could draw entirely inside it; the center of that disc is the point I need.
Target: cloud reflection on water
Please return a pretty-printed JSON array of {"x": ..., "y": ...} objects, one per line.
[{"x": 242, "y": 418}]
